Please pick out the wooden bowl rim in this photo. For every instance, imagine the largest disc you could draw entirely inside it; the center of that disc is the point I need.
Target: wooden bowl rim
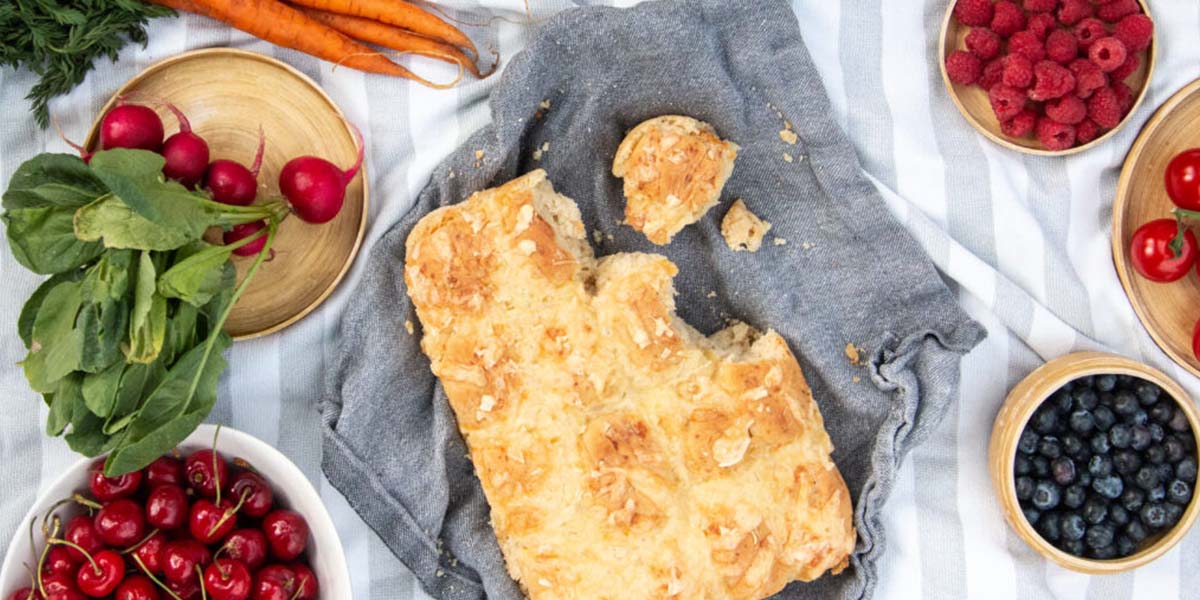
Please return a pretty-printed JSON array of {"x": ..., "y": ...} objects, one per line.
[
  {"x": 1020, "y": 404},
  {"x": 1004, "y": 141},
  {"x": 205, "y": 53},
  {"x": 1120, "y": 258}
]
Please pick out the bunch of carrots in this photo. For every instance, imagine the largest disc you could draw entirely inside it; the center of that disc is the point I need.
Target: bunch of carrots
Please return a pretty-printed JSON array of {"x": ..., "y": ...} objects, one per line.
[{"x": 335, "y": 30}]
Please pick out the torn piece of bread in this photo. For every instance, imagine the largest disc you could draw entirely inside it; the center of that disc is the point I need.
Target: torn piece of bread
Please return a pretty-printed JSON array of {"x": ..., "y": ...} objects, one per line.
[
  {"x": 674, "y": 168},
  {"x": 742, "y": 229},
  {"x": 625, "y": 456}
]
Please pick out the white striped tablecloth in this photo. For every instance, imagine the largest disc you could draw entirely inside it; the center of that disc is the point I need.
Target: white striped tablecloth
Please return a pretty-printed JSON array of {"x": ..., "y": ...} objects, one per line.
[{"x": 1024, "y": 242}]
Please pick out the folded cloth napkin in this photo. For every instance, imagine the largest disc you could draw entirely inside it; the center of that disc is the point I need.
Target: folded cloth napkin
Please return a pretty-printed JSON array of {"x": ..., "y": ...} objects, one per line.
[{"x": 836, "y": 269}]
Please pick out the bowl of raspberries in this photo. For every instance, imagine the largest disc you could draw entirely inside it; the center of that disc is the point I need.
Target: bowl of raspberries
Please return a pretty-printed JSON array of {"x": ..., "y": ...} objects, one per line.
[
  {"x": 1093, "y": 457},
  {"x": 1048, "y": 77}
]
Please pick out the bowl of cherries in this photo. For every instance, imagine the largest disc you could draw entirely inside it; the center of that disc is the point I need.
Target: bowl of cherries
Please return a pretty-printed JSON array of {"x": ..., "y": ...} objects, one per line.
[
  {"x": 1093, "y": 458},
  {"x": 223, "y": 517}
]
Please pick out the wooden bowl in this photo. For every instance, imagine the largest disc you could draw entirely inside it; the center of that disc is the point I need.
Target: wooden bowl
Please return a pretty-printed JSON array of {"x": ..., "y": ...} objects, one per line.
[
  {"x": 227, "y": 94},
  {"x": 1020, "y": 405},
  {"x": 972, "y": 101},
  {"x": 1168, "y": 310}
]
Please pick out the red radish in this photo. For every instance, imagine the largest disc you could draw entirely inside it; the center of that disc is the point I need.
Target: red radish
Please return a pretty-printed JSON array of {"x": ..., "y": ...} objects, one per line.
[
  {"x": 315, "y": 187},
  {"x": 131, "y": 126},
  {"x": 186, "y": 153},
  {"x": 231, "y": 183},
  {"x": 243, "y": 231}
]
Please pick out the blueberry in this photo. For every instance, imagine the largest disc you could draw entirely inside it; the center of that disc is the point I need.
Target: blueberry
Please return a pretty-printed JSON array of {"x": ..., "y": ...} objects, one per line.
[
  {"x": 1084, "y": 479},
  {"x": 1074, "y": 496},
  {"x": 1179, "y": 421},
  {"x": 1099, "y": 443},
  {"x": 1141, "y": 437},
  {"x": 1106, "y": 553},
  {"x": 1124, "y": 403},
  {"x": 1085, "y": 382},
  {"x": 1100, "y": 466},
  {"x": 1147, "y": 393},
  {"x": 1082, "y": 421},
  {"x": 1136, "y": 531},
  {"x": 1179, "y": 492},
  {"x": 1095, "y": 510},
  {"x": 1139, "y": 417},
  {"x": 1156, "y": 454},
  {"x": 1133, "y": 499},
  {"x": 1024, "y": 488},
  {"x": 1156, "y": 494},
  {"x": 1126, "y": 380},
  {"x": 1146, "y": 478},
  {"x": 1154, "y": 516},
  {"x": 1041, "y": 466},
  {"x": 1126, "y": 462},
  {"x": 1165, "y": 472},
  {"x": 1063, "y": 470},
  {"x": 1110, "y": 487},
  {"x": 1162, "y": 412},
  {"x": 1031, "y": 514},
  {"x": 1050, "y": 447},
  {"x": 1072, "y": 446},
  {"x": 1120, "y": 436},
  {"x": 1186, "y": 470},
  {"x": 1045, "y": 421},
  {"x": 1073, "y": 547},
  {"x": 1174, "y": 513},
  {"x": 1125, "y": 546},
  {"x": 1048, "y": 526},
  {"x": 1072, "y": 527},
  {"x": 1029, "y": 442},
  {"x": 1061, "y": 401},
  {"x": 1174, "y": 449},
  {"x": 1118, "y": 515},
  {"x": 1157, "y": 433},
  {"x": 1100, "y": 536},
  {"x": 1085, "y": 398},
  {"x": 1104, "y": 418},
  {"x": 1022, "y": 465},
  {"x": 1046, "y": 495},
  {"x": 1106, "y": 383}
]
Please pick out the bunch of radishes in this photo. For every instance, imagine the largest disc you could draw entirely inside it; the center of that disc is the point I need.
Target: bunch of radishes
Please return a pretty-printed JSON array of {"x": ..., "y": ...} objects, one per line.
[
  {"x": 182, "y": 528},
  {"x": 314, "y": 187}
]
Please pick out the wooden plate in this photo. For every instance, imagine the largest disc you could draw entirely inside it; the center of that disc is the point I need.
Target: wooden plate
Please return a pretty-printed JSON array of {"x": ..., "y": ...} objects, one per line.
[
  {"x": 972, "y": 101},
  {"x": 1169, "y": 311},
  {"x": 227, "y": 94}
]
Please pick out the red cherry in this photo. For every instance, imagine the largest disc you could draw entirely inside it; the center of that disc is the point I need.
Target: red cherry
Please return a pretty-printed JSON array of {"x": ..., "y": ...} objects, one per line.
[
  {"x": 165, "y": 470},
  {"x": 106, "y": 489},
  {"x": 287, "y": 534},
  {"x": 100, "y": 579},
  {"x": 210, "y": 522},
  {"x": 306, "y": 582},
  {"x": 188, "y": 589},
  {"x": 227, "y": 579},
  {"x": 274, "y": 582},
  {"x": 248, "y": 546},
  {"x": 180, "y": 559},
  {"x": 201, "y": 475},
  {"x": 167, "y": 507},
  {"x": 151, "y": 552},
  {"x": 120, "y": 523},
  {"x": 25, "y": 594},
  {"x": 62, "y": 587},
  {"x": 137, "y": 587},
  {"x": 82, "y": 532},
  {"x": 257, "y": 492},
  {"x": 59, "y": 560}
]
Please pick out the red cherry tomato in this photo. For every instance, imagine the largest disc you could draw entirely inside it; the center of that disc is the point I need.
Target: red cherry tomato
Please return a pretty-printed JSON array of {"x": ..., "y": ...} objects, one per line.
[
  {"x": 1183, "y": 179},
  {"x": 1196, "y": 340},
  {"x": 1151, "y": 253}
]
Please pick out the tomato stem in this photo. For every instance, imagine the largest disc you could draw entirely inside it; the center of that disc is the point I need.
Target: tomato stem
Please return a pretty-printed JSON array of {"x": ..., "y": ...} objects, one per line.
[{"x": 1176, "y": 243}]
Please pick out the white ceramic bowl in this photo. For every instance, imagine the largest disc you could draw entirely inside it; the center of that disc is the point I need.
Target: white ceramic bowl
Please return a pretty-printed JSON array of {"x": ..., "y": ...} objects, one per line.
[{"x": 292, "y": 490}]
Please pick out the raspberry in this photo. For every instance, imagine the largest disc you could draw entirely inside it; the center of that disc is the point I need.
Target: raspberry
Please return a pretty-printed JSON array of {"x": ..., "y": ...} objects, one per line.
[
  {"x": 1020, "y": 125},
  {"x": 1052, "y": 81},
  {"x": 1018, "y": 71},
  {"x": 1088, "y": 77},
  {"x": 1054, "y": 135},
  {"x": 1131, "y": 64},
  {"x": 1007, "y": 102},
  {"x": 1086, "y": 131},
  {"x": 1007, "y": 19},
  {"x": 1041, "y": 24},
  {"x": 1115, "y": 11},
  {"x": 963, "y": 67},
  {"x": 1108, "y": 53},
  {"x": 983, "y": 43},
  {"x": 1104, "y": 108},
  {"x": 1074, "y": 11},
  {"x": 1124, "y": 97},
  {"x": 1061, "y": 46},
  {"x": 1027, "y": 44},
  {"x": 976, "y": 13},
  {"x": 1069, "y": 109},
  {"x": 1135, "y": 31},
  {"x": 993, "y": 72},
  {"x": 1088, "y": 31}
]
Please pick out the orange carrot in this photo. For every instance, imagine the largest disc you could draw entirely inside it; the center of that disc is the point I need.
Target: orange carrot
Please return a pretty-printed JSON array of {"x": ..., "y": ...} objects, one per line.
[
  {"x": 285, "y": 26},
  {"x": 399, "y": 13},
  {"x": 394, "y": 38}
]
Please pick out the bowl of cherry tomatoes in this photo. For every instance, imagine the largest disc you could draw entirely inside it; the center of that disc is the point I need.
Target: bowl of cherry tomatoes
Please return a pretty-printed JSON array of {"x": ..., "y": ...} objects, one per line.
[
  {"x": 224, "y": 517},
  {"x": 1155, "y": 215}
]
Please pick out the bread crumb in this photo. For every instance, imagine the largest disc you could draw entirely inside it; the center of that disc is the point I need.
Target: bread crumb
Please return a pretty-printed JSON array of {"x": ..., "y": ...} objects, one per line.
[
  {"x": 440, "y": 573},
  {"x": 808, "y": 245},
  {"x": 742, "y": 229},
  {"x": 537, "y": 154},
  {"x": 408, "y": 326},
  {"x": 779, "y": 241},
  {"x": 788, "y": 136},
  {"x": 545, "y": 104},
  {"x": 597, "y": 235},
  {"x": 478, "y": 154},
  {"x": 852, "y": 353},
  {"x": 787, "y": 157},
  {"x": 856, "y": 379},
  {"x": 711, "y": 295},
  {"x": 787, "y": 125}
]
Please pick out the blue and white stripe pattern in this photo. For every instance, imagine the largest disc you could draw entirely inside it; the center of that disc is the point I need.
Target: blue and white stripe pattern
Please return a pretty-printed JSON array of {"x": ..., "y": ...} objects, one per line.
[{"x": 1024, "y": 242}]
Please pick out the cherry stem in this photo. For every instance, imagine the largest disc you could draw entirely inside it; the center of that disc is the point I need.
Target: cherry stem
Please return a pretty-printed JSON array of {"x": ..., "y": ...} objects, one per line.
[
  {"x": 203, "y": 592},
  {"x": 258, "y": 155},
  {"x": 229, "y": 512},
  {"x": 296, "y": 594},
  {"x": 50, "y": 515},
  {"x": 137, "y": 559},
  {"x": 184, "y": 125},
  {"x": 79, "y": 499},
  {"x": 32, "y": 580},
  {"x": 134, "y": 547},
  {"x": 78, "y": 548},
  {"x": 216, "y": 473}
]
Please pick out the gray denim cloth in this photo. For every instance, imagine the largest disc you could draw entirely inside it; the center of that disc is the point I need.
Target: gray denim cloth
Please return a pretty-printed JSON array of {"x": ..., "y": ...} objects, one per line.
[{"x": 836, "y": 268}]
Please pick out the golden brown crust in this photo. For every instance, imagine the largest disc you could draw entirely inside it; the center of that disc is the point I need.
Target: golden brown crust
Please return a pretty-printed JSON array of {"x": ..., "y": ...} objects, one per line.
[
  {"x": 624, "y": 455},
  {"x": 742, "y": 229},
  {"x": 674, "y": 168}
]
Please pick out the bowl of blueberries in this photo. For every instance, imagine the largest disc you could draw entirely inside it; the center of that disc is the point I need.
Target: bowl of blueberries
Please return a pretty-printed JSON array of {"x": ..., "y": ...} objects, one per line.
[{"x": 1093, "y": 457}]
